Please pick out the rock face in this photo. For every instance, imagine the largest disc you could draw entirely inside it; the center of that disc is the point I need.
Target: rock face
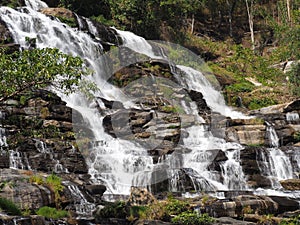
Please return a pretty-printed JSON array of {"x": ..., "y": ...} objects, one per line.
[
  {"x": 156, "y": 120},
  {"x": 236, "y": 207},
  {"x": 58, "y": 12},
  {"x": 43, "y": 125},
  {"x": 40, "y": 137}
]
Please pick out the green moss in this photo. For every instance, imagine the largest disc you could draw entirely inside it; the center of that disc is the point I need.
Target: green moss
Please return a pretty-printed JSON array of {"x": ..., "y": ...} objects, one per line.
[
  {"x": 114, "y": 210},
  {"x": 36, "y": 179},
  {"x": 54, "y": 182},
  {"x": 9, "y": 207},
  {"x": 257, "y": 103},
  {"x": 193, "y": 218},
  {"x": 241, "y": 87},
  {"x": 69, "y": 21},
  {"x": 296, "y": 136},
  {"x": 52, "y": 213}
]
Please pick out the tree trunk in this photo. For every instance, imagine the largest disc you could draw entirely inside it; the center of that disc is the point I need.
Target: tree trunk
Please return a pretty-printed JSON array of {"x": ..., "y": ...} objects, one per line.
[
  {"x": 193, "y": 22},
  {"x": 250, "y": 20},
  {"x": 288, "y": 10}
]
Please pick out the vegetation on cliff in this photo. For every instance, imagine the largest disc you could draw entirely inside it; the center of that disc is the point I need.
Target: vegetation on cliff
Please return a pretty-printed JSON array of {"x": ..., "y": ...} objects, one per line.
[
  {"x": 38, "y": 68},
  {"x": 248, "y": 44}
]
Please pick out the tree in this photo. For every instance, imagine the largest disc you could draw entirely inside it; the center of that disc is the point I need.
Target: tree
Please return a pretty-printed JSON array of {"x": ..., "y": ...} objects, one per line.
[
  {"x": 39, "y": 68},
  {"x": 250, "y": 20}
]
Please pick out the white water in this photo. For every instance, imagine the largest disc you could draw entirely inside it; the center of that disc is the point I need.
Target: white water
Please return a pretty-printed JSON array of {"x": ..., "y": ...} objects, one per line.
[
  {"x": 3, "y": 142},
  {"x": 42, "y": 147},
  {"x": 82, "y": 206},
  {"x": 292, "y": 116},
  {"x": 272, "y": 136},
  {"x": 119, "y": 163},
  {"x": 275, "y": 164}
]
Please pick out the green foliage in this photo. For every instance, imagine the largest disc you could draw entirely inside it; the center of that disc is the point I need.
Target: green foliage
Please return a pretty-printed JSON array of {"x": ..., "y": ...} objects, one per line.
[
  {"x": 36, "y": 179},
  {"x": 11, "y": 3},
  {"x": 294, "y": 77},
  {"x": 10, "y": 207},
  {"x": 52, "y": 213},
  {"x": 175, "y": 207},
  {"x": 101, "y": 19},
  {"x": 296, "y": 136},
  {"x": 192, "y": 218},
  {"x": 257, "y": 103},
  {"x": 292, "y": 221},
  {"x": 38, "y": 68},
  {"x": 240, "y": 87},
  {"x": 137, "y": 212},
  {"x": 54, "y": 182},
  {"x": 69, "y": 21},
  {"x": 114, "y": 210}
]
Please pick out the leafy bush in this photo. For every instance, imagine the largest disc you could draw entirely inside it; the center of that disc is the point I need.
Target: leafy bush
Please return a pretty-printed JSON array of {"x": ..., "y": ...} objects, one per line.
[
  {"x": 52, "y": 213},
  {"x": 36, "y": 179},
  {"x": 114, "y": 210},
  {"x": 292, "y": 221},
  {"x": 192, "y": 218},
  {"x": 240, "y": 87},
  {"x": 9, "y": 207},
  {"x": 175, "y": 207},
  {"x": 54, "y": 182},
  {"x": 256, "y": 103}
]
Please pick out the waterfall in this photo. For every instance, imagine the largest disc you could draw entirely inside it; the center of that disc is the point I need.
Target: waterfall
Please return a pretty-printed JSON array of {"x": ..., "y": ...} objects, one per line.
[
  {"x": 273, "y": 162},
  {"x": 82, "y": 206},
  {"x": 119, "y": 163},
  {"x": 42, "y": 147},
  {"x": 271, "y": 136},
  {"x": 275, "y": 165},
  {"x": 232, "y": 172},
  {"x": 3, "y": 142},
  {"x": 292, "y": 116}
]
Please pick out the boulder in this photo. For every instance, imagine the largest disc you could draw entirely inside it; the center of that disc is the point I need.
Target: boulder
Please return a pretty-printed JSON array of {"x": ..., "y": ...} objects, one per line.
[
  {"x": 58, "y": 12},
  {"x": 229, "y": 220},
  {"x": 292, "y": 106},
  {"x": 285, "y": 204},
  {"x": 140, "y": 196},
  {"x": 95, "y": 189},
  {"x": 259, "y": 204},
  {"x": 246, "y": 134},
  {"x": 291, "y": 184}
]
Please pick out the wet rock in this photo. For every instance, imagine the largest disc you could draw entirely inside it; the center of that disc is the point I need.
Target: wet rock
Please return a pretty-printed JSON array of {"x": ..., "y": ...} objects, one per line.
[
  {"x": 247, "y": 134},
  {"x": 203, "y": 109},
  {"x": 292, "y": 106},
  {"x": 95, "y": 189},
  {"x": 285, "y": 204},
  {"x": 4, "y": 161},
  {"x": 229, "y": 220},
  {"x": 5, "y": 36}
]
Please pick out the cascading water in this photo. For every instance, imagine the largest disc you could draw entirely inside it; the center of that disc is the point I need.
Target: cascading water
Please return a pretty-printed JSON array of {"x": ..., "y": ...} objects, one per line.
[
  {"x": 292, "y": 116},
  {"x": 3, "y": 142},
  {"x": 83, "y": 207},
  {"x": 274, "y": 163},
  {"x": 121, "y": 163}
]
